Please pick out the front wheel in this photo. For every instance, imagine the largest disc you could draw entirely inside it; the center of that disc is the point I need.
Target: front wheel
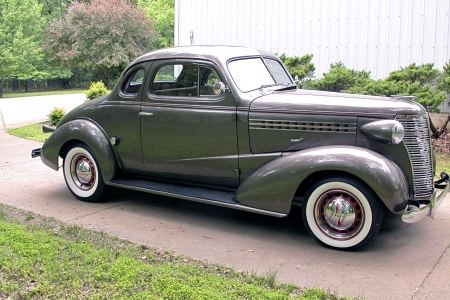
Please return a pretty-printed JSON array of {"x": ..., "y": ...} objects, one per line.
[
  {"x": 83, "y": 176},
  {"x": 342, "y": 212}
]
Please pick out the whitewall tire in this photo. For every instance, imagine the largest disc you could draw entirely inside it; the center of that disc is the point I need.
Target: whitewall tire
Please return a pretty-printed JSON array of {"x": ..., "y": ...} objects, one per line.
[
  {"x": 342, "y": 212},
  {"x": 82, "y": 174}
]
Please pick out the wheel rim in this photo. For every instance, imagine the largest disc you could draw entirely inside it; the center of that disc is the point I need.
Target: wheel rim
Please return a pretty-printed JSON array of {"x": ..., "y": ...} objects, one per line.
[
  {"x": 339, "y": 214},
  {"x": 83, "y": 172}
]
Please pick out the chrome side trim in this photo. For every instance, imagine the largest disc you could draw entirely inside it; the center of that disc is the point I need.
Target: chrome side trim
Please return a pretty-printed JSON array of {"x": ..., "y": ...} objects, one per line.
[
  {"x": 321, "y": 112},
  {"x": 302, "y": 125},
  {"x": 189, "y": 106}
]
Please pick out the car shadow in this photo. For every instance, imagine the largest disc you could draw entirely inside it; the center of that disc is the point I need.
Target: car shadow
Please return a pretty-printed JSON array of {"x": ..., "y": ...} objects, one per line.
[{"x": 393, "y": 234}]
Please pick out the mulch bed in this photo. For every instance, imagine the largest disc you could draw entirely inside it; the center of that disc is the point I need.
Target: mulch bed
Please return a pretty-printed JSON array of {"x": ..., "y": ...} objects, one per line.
[{"x": 442, "y": 144}]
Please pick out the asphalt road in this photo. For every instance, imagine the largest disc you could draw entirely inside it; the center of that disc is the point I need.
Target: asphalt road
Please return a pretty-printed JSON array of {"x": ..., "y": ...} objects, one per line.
[{"x": 403, "y": 262}]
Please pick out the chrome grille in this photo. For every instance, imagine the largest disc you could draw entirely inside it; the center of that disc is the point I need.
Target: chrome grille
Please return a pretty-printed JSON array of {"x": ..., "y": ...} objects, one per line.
[
  {"x": 417, "y": 141},
  {"x": 302, "y": 126}
]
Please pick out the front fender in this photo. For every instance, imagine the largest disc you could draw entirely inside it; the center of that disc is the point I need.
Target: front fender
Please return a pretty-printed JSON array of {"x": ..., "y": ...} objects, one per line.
[
  {"x": 88, "y": 133},
  {"x": 272, "y": 187}
]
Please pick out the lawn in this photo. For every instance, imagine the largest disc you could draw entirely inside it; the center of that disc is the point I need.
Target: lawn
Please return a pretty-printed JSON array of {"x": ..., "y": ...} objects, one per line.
[
  {"x": 42, "y": 258},
  {"x": 45, "y": 93},
  {"x": 30, "y": 132},
  {"x": 442, "y": 163}
]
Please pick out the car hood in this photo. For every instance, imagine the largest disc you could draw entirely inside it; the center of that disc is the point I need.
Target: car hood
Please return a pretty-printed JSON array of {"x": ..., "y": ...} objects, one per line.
[{"x": 328, "y": 103}]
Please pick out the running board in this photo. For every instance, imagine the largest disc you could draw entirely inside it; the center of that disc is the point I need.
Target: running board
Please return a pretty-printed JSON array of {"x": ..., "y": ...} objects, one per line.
[{"x": 197, "y": 194}]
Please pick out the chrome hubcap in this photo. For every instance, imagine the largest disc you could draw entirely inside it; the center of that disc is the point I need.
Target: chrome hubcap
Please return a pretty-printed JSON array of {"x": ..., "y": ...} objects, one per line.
[
  {"x": 339, "y": 214},
  {"x": 83, "y": 172}
]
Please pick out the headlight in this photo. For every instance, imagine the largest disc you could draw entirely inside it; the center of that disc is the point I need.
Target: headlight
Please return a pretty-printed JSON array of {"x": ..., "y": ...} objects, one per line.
[{"x": 384, "y": 131}]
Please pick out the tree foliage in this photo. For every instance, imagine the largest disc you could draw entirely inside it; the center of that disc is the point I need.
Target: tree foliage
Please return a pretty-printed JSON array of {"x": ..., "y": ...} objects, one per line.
[
  {"x": 102, "y": 34},
  {"x": 339, "y": 79},
  {"x": 428, "y": 84},
  {"x": 21, "y": 24},
  {"x": 162, "y": 12},
  {"x": 444, "y": 83},
  {"x": 419, "y": 81},
  {"x": 302, "y": 67}
]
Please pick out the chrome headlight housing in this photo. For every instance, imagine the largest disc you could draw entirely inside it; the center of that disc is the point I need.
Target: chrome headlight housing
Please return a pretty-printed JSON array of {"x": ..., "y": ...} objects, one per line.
[{"x": 384, "y": 131}]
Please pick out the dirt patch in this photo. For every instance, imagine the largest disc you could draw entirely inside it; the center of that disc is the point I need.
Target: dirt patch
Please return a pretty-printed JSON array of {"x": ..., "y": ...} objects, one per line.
[{"x": 442, "y": 144}]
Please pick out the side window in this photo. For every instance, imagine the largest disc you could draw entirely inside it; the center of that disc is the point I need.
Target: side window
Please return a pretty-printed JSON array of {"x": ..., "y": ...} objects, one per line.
[
  {"x": 210, "y": 85},
  {"x": 176, "y": 80},
  {"x": 133, "y": 82},
  {"x": 185, "y": 80},
  {"x": 277, "y": 71}
]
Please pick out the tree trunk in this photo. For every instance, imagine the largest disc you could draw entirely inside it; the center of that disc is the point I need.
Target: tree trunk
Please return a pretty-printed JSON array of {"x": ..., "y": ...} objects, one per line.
[
  {"x": 1, "y": 88},
  {"x": 108, "y": 72},
  {"x": 76, "y": 78},
  {"x": 15, "y": 85},
  {"x": 437, "y": 133}
]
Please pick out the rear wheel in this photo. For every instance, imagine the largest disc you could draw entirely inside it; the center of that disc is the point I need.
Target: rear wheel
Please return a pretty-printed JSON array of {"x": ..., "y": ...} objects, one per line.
[
  {"x": 342, "y": 212},
  {"x": 83, "y": 176}
]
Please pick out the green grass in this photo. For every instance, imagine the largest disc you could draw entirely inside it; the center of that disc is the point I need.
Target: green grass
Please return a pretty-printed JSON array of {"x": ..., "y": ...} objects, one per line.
[
  {"x": 45, "y": 93},
  {"x": 45, "y": 259},
  {"x": 30, "y": 132},
  {"x": 442, "y": 163}
]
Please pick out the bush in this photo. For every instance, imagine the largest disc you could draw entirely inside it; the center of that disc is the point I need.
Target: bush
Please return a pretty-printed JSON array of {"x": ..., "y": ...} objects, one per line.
[
  {"x": 444, "y": 84},
  {"x": 56, "y": 115},
  {"x": 420, "y": 81},
  {"x": 339, "y": 79},
  {"x": 300, "y": 67},
  {"x": 96, "y": 90}
]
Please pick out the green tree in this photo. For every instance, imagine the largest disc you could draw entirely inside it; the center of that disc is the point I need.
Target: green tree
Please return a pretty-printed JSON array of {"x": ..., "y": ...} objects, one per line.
[
  {"x": 444, "y": 84},
  {"x": 21, "y": 23},
  {"x": 339, "y": 79},
  {"x": 302, "y": 67},
  {"x": 162, "y": 12},
  {"x": 101, "y": 35},
  {"x": 420, "y": 81}
]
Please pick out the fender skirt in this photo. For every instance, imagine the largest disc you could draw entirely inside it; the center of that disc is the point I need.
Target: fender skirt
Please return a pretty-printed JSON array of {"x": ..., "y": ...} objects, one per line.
[
  {"x": 87, "y": 132},
  {"x": 272, "y": 187}
]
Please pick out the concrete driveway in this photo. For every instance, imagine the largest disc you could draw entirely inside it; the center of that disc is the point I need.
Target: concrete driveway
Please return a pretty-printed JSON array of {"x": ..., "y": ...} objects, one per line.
[
  {"x": 403, "y": 262},
  {"x": 18, "y": 112}
]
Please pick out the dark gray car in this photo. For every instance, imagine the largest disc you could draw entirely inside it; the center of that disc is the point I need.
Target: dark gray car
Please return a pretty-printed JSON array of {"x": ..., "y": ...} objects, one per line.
[{"x": 228, "y": 126}]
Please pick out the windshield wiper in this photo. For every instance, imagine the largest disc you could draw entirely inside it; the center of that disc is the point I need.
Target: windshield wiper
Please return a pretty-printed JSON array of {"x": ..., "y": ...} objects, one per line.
[
  {"x": 288, "y": 87},
  {"x": 269, "y": 85}
]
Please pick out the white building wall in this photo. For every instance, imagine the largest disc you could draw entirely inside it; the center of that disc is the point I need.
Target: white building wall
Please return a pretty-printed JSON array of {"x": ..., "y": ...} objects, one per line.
[{"x": 379, "y": 36}]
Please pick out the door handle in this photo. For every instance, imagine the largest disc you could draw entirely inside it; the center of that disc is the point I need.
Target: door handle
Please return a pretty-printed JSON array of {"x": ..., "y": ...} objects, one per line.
[{"x": 145, "y": 114}]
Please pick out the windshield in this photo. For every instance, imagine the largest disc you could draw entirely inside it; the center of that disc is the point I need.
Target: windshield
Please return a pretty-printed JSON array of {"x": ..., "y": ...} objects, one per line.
[{"x": 254, "y": 73}]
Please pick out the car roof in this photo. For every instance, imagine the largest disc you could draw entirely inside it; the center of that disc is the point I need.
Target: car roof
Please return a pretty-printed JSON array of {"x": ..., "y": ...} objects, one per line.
[{"x": 219, "y": 54}]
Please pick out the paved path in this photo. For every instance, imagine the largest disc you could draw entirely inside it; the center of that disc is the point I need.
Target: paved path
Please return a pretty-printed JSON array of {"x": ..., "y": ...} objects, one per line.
[
  {"x": 18, "y": 112},
  {"x": 403, "y": 262}
]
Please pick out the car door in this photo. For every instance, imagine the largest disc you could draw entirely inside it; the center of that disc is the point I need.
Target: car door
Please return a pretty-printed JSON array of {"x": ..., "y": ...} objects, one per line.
[
  {"x": 118, "y": 116},
  {"x": 188, "y": 125}
]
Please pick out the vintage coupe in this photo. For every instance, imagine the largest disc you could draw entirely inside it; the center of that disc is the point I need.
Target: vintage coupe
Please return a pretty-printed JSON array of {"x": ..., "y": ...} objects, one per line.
[{"x": 228, "y": 126}]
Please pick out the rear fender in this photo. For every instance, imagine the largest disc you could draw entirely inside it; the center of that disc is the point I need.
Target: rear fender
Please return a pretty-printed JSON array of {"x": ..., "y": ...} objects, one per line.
[
  {"x": 87, "y": 132},
  {"x": 272, "y": 187}
]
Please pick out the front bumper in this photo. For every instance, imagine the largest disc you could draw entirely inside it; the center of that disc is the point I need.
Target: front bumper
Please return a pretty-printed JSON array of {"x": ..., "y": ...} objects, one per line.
[{"x": 416, "y": 214}]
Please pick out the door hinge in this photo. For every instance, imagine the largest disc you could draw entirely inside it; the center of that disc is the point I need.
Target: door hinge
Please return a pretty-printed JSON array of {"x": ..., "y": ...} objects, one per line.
[
  {"x": 237, "y": 172},
  {"x": 233, "y": 116}
]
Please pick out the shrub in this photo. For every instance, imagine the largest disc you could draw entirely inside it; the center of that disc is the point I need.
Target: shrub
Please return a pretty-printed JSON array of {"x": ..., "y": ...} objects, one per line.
[
  {"x": 96, "y": 90},
  {"x": 56, "y": 115},
  {"x": 300, "y": 67},
  {"x": 420, "y": 81},
  {"x": 444, "y": 84},
  {"x": 339, "y": 79}
]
